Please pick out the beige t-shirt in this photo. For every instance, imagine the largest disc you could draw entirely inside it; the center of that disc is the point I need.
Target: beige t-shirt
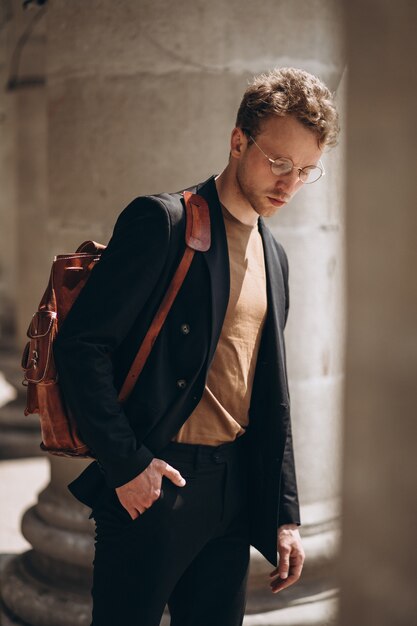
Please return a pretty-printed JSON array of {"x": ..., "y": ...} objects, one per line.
[{"x": 223, "y": 411}]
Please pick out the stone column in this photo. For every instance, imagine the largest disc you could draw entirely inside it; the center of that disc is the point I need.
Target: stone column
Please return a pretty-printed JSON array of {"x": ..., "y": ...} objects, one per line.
[
  {"x": 378, "y": 566},
  {"x": 142, "y": 98},
  {"x": 49, "y": 585},
  {"x": 7, "y": 186},
  {"x": 28, "y": 90},
  {"x": 24, "y": 257},
  {"x": 311, "y": 229}
]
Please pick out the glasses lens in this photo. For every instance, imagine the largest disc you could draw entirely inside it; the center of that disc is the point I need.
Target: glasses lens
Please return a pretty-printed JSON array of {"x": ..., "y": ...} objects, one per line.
[
  {"x": 281, "y": 166},
  {"x": 310, "y": 174}
]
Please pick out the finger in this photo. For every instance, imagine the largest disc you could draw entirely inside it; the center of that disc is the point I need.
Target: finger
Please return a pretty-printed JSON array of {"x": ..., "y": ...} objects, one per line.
[
  {"x": 294, "y": 575},
  {"x": 284, "y": 564},
  {"x": 296, "y": 570},
  {"x": 280, "y": 584},
  {"x": 134, "y": 514},
  {"x": 174, "y": 475},
  {"x": 140, "y": 511}
]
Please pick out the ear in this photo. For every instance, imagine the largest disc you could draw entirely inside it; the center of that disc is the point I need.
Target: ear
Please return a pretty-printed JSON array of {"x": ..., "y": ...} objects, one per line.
[{"x": 238, "y": 143}]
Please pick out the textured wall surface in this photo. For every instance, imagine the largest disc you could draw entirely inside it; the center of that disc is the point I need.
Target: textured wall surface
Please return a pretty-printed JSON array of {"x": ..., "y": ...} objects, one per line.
[
  {"x": 141, "y": 97},
  {"x": 8, "y": 238},
  {"x": 378, "y": 568}
]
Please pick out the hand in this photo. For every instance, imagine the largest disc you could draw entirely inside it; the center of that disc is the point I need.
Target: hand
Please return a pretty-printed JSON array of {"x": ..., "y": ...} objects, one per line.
[
  {"x": 141, "y": 492},
  {"x": 291, "y": 558}
]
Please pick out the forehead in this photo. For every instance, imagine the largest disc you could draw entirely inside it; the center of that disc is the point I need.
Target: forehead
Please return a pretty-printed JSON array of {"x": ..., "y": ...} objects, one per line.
[{"x": 286, "y": 136}]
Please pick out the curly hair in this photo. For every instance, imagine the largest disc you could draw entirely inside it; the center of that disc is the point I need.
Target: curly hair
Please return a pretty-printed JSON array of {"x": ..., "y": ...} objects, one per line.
[{"x": 290, "y": 91}]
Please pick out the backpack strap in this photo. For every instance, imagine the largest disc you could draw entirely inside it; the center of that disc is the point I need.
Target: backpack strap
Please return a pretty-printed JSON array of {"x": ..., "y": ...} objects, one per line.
[
  {"x": 197, "y": 238},
  {"x": 197, "y": 232}
]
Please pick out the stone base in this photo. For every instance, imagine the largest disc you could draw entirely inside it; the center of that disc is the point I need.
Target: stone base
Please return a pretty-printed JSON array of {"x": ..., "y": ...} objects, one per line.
[
  {"x": 19, "y": 434},
  {"x": 27, "y": 600},
  {"x": 320, "y": 610},
  {"x": 16, "y": 443},
  {"x": 5, "y": 618},
  {"x": 30, "y": 601},
  {"x": 37, "y": 602}
]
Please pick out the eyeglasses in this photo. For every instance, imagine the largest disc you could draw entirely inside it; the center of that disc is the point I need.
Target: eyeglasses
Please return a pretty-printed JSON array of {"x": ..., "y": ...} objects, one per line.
[{"x": 281, "y": 166}]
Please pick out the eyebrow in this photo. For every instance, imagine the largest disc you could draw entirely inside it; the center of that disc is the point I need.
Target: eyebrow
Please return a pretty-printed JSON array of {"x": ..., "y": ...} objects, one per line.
[{"x": 283, "y": 156}]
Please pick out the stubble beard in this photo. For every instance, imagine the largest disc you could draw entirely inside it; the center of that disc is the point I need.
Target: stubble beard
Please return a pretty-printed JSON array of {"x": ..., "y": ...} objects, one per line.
[{"x": 261, "y": 208}]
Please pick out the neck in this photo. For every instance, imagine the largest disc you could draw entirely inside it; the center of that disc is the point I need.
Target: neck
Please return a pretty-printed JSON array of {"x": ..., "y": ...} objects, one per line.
[{"x": 232, "y": 198}]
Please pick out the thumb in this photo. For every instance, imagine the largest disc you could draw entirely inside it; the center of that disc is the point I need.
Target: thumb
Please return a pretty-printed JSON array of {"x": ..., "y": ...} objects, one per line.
[{"x": 174, "y": 475}]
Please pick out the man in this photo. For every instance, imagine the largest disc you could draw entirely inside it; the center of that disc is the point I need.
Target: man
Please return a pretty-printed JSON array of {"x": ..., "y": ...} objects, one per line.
[{"x": 198, "y": 464}]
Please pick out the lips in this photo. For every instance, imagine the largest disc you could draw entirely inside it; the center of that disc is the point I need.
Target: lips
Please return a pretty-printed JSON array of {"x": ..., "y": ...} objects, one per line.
[{"x": 275, "y": 201}]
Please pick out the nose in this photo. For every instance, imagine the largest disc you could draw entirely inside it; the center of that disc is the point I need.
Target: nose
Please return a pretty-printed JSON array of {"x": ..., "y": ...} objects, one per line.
[{"x": 290, "y": 183}]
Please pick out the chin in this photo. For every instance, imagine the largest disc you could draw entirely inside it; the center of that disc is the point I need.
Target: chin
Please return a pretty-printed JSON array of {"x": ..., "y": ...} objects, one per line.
[
  {"x": 265, "y": 210},
  {"x": 269, "y": 212}
]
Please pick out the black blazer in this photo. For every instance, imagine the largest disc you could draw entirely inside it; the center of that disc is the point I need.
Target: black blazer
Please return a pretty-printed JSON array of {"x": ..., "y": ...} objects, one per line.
[{"x": 102, "y": 333}]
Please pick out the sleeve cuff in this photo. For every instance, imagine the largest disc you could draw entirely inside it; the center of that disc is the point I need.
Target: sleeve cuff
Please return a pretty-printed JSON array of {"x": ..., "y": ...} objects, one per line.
[
  {"x": 289, "y": 513},
  {"x": 120, "y": 470}
]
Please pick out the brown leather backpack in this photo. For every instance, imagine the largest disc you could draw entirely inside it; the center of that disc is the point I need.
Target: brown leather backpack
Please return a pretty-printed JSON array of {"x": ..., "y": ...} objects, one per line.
[{"x": 69, "y": 274}]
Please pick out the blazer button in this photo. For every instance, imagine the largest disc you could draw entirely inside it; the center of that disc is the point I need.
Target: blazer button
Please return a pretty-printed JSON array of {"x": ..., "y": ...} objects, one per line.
[
  {"x": 181, "y": 383},
  {"x": 185, "y": 329}
]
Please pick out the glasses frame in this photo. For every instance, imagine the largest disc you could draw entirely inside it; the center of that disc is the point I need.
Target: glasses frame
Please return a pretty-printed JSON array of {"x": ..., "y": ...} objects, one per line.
[{"x": 319, "y": 166}]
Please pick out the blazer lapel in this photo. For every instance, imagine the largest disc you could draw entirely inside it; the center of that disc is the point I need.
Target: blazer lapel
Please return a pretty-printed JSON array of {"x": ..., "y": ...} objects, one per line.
[
  {"x": 272, "y": 350},
  {"x": 217, "y": 259}
]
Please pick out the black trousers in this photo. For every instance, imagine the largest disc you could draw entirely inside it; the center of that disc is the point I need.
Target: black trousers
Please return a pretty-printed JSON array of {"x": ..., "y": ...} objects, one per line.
[{"x": 189, "y": 550}]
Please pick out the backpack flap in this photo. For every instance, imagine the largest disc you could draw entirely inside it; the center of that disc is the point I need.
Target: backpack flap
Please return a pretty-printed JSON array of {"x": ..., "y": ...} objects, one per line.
[
  {"x": 37, "y": 360},
  {"x": 70, "y": 273}
]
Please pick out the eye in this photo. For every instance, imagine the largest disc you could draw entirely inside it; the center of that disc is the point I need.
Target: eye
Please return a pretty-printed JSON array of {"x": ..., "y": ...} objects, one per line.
[
  {"x": 282, "y": 166},
  {"x": 310, "y": 173}
]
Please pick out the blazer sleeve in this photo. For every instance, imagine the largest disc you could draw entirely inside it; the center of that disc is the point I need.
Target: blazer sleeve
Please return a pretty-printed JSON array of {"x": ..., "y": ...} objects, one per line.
[
  {"x": 285, "y": 272},
  {"x": 289, "y": 509},
  {"x": 100, "y": 318}
]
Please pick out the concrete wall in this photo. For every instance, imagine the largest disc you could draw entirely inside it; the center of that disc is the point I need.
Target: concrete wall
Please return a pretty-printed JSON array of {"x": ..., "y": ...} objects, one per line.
[
  {"x": 141, "y": 97},
  {"x": 379, "y": 557},
  {"x": 24, "y": 251},
  {"x": 8, "y": 239}
]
